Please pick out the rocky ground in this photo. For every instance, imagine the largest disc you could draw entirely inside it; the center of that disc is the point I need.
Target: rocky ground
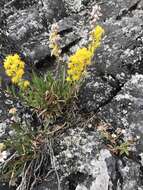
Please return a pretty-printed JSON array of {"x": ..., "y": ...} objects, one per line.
[{"x": 112, "y": 92}]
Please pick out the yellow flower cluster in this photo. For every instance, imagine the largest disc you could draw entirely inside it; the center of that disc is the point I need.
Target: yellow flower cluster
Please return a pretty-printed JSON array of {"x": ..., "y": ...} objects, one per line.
[
  {"x": 96, "y": 36},
  {"x": 14, "y": 68},
  {"x": 78, "y": 63},
  {"x": 24, "y": 84},
  {"x": 54, "y": 41},
  {"x": 82, "y": 58}
]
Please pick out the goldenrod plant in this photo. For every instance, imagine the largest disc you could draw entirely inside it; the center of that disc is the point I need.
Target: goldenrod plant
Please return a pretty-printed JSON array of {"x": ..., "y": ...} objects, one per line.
[{"x": 49, "y": 96}]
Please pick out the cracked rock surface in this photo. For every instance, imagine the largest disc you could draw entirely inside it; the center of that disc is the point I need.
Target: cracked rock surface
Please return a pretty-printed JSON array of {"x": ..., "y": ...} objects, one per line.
[
  {"x": 112, "y": 90},
  {"x": 125, "y": 109}
]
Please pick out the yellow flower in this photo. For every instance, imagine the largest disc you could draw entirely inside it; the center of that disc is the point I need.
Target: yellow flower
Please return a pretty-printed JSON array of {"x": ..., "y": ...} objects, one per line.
[
  {"x": 16, "y": 57},
  {"x": 14, "y": 68},
  {"x": 79, "y": 61},
  {"x": 6, "y": 64},
  {"x": 97, "y": 32},
  {"x": 15, "y": 80},
  {"x": 76, "y": 77},
  {"x": 9, "y": 72},
  {"x": 20, "y": 73},
  {"x": 21, "y": 64},
  {"x": 68, "y": 79},
  {"x": 96, "y": 36},
  {"x": 26, "y": 84}
]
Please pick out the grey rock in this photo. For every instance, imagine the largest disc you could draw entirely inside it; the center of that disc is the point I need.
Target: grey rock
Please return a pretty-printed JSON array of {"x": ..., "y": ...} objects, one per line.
[
  {"x": 75, "y": 6},
  {"x": 131, "y": 175},
  {"x": 83, "y": 163},
  {"x": 97, "y": 91},
  {"x": 125, "y": 110},
  {"x": 77, "y": 159},
  {"x": 118, "y": 9},
  {"x": 102, "y": 180},
  {"x": 123, "y": 55},
  {"x": 119, "y": 57},
  {"x": 7, "y": 46},
  {"x": 81, "y": 187},
  {"x": 27, "y": 24},
  {"x": 118, "y": 64}
]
